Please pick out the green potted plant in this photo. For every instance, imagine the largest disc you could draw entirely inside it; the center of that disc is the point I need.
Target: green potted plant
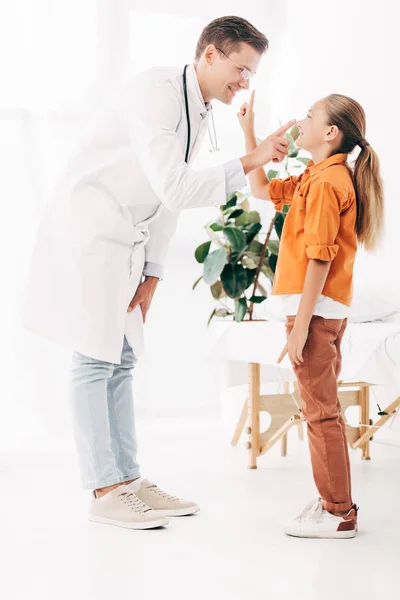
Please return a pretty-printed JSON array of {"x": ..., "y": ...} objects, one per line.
[{"x": 238, "y": 252}]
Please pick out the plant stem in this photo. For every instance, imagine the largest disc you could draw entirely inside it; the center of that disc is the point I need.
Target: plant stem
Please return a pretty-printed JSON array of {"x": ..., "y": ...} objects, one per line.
[{"x": 260, "y": 264}]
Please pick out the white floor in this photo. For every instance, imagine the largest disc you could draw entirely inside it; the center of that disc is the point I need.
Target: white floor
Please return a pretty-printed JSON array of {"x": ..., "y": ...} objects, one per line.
[{"x": 234, "y": 548}]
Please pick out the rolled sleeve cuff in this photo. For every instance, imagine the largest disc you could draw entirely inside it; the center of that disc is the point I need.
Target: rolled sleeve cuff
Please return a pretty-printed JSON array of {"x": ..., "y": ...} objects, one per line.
[
  {"x": 276, "y": 193},
  {"x": 326, "y": 253},
  {"x": 235, "y": 179},
  {"x": 151, "y": 269}
]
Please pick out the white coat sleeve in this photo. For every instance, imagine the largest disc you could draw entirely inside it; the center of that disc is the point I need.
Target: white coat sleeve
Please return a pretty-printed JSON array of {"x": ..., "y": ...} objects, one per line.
[
  {"x": 154, "y": 115},
  {"x": 235, "y": 177},
  {"x": 161, "y": 231},
  {"x": 151, "y": 269}
]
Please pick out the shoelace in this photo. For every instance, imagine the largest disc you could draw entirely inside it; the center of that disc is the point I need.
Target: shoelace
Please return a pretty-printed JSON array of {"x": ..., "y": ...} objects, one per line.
[
  {"x": 307, "y": 508},
  {"x": 133, "y": 502},
  {"x": 161, "y": 493},
  {"x": 314, "y": 510}
]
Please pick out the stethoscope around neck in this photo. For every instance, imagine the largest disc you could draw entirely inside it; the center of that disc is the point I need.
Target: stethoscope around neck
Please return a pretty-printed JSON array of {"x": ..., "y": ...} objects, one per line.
[{"x": 214, "y": 145}]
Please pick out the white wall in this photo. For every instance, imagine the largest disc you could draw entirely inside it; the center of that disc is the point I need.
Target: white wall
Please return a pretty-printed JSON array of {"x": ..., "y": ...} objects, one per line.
[
  {"x": 349, "y": 47},
  {"x": 60, "y": 60},
  {"x": 315, "y": 48},
  {"x": 177, "y": 337}
]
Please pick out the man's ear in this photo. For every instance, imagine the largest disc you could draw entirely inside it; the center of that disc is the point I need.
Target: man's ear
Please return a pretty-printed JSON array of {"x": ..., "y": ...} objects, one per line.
[
  {"x": 210, "y": 53},
  {"x": 332, "y": 133}
]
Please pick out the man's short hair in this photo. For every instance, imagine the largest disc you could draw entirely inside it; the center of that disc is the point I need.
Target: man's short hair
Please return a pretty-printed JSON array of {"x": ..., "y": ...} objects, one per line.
[{"x": 228, "y": 33}]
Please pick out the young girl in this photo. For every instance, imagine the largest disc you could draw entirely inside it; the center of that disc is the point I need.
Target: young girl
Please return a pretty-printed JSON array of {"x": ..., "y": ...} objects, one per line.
[{"x": 333, "y": 207}]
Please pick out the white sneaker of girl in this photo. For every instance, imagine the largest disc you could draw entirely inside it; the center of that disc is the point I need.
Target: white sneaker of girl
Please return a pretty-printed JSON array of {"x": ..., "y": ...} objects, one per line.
[{"x": 316, "y": 522}]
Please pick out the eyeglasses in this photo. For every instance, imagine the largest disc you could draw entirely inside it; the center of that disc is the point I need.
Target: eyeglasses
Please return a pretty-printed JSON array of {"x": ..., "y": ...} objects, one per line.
[{"x": 244, "y": 73}]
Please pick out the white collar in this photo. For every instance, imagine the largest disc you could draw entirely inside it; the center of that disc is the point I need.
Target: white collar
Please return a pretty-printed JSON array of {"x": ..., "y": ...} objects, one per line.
[{"x": 197, "y": 96}]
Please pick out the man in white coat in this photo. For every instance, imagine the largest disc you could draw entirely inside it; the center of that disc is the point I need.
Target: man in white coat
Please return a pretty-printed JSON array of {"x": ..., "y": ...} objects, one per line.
[{"x": 103, "y": 240}]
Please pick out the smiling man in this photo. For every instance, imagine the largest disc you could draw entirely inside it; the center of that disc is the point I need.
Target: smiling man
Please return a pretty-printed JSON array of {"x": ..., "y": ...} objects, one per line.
[{"x": 103, "y": 240}]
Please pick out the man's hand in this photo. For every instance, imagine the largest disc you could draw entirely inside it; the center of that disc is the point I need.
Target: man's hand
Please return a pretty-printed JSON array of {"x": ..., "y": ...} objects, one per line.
[
  {"x": 274, "y": 147},
  {"x": 295, "y": 345},
  {"x": 144, "y": 296}
]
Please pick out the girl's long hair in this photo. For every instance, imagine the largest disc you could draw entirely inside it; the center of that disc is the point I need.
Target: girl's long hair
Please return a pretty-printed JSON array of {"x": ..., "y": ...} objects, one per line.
[{"x": 349, "y": 117}]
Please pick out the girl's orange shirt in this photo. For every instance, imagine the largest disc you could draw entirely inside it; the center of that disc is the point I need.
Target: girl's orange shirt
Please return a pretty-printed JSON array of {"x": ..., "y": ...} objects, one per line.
[{"x": 319, "y": 225}]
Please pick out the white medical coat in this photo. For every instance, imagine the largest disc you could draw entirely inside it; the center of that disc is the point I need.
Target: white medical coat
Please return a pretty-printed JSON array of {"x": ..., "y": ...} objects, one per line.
[{"x": 114, "y": 210}]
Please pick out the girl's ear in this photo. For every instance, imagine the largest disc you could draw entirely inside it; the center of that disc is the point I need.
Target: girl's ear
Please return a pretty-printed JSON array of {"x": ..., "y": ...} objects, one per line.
[{"x": 332, "y": 133}]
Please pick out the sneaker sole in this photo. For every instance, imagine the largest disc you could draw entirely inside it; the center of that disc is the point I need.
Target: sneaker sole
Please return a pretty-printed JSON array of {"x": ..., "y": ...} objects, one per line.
[
  {"x": 328, "y": 535},
  {"x": 145, "y": 525},
  {"x": 179, "y": 512}
]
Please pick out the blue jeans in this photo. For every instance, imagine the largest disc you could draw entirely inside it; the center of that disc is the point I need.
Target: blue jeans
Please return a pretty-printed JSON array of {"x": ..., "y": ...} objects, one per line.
[{"x": 103, "y": 419}]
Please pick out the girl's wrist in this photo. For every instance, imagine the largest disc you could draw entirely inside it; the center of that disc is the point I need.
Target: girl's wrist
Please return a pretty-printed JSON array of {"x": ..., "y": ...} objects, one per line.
[{"x": 301, "y": 323}]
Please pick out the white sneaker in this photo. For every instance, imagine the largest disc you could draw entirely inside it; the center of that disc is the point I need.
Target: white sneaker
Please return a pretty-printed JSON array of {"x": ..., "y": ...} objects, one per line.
[
  {"x": 123, "y": 508},
  {"x": 161, "y": 502},
  {"x": 316, "y": 522}
]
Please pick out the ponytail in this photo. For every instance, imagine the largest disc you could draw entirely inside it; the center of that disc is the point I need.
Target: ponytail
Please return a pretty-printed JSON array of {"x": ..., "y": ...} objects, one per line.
[
  {"x": 369, "y": 193},
  {"x": 348, "y": 115}
]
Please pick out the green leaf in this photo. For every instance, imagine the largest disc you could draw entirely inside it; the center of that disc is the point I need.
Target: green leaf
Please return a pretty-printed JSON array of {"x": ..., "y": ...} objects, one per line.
[
  {"x": 273, "y": 245},
  {"x": 245, "y": 205},
  {"x": 293, "y": 151},
  {"x": 216, "y": 226},
  {"x": 272, "y": 174},
  {"x": 214, "y": 237},
  {"x": 249, "y": 262},
  {"x": 244, "y": 219},
  {"x": 233, "y": 256},
  {"x": 211, "y": 316},
  {"x": 197, "y": 282},
  {"x": 261, "y": 289},
  {"x": 285, "y": 209},
  {"x": 303, "y": 160},
  {"x": 201, "y": 252},
  {"x": 272, "y": 262},
  {"x": 250, "y": 273},
  {"x": 256, "y": 247},
  {"x": 279, "y": 220},
  {"x": 253, "y": 230},
  {"x": 294, "y": 132},
  {"x": 248, "y": 218},
  {"x": 232, "y": 201},
  {"x": 213, "y": 265},
  {"x": 267, "y": 271},
  {"x": 254, "y": 216},
  {"x": 288, "y": 136},
  {"x": 216, "y": 290},
  {"x": 258, "y": 299},
  {"x": 232, "y": 197},
  {"x": 222, "y": 312},
  {"x": 235, "y": 237},
  {"x": 240, "y": 309},
  {"x": 234, "y": 280},
  {"x": 254, "y": 257},
  {"x": 236, "y": 213}
]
